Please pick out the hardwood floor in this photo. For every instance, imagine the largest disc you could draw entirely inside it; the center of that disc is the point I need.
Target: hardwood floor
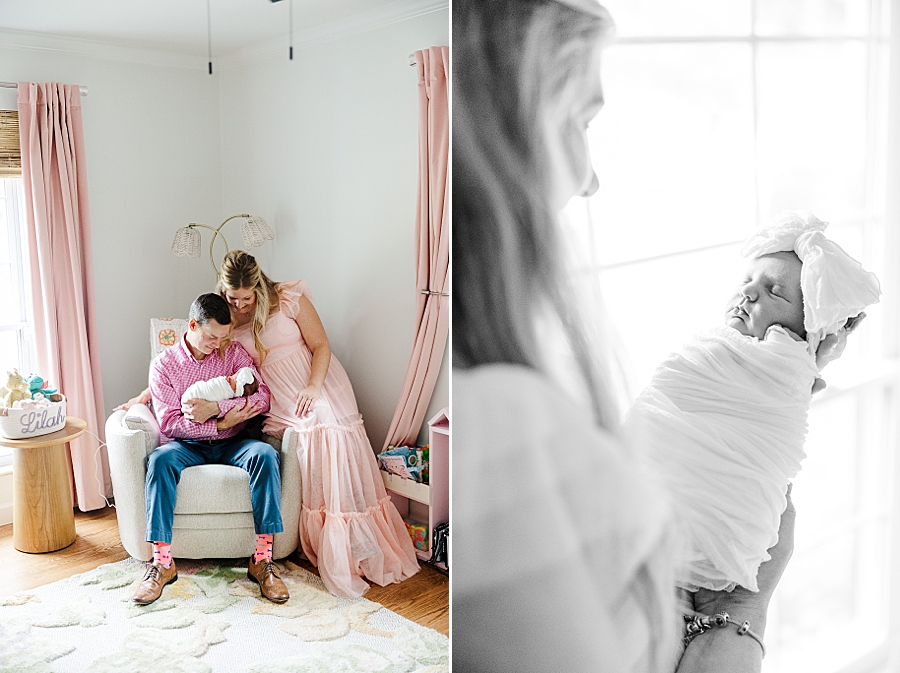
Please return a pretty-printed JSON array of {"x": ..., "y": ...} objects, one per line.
[{"x": 423, "y": 598}]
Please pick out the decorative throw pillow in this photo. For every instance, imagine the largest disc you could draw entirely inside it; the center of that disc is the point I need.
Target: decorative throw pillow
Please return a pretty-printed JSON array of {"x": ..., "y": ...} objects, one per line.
[
  {"x": 139, "y": 417},
  {"x": 165, "y": 332}
]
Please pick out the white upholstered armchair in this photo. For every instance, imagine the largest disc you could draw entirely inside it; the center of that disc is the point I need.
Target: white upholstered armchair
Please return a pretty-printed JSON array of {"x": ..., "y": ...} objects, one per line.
[{"x": 213, "y": 514}]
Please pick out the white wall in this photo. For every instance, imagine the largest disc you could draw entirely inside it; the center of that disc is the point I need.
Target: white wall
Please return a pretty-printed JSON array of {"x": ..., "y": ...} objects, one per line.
[
  {"x": 325, "y": 148},
  {"x": 152, "y": 137}
]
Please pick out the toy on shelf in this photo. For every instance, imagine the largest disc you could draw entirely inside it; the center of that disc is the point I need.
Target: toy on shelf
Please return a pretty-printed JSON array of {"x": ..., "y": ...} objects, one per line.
[
  {"x": 409, "y": 462},
  {"x": 418, "y": 532},
  {"x": 38, "y": 386},
  {"x": 16, "y": 389},
  {"x": 36, "y": 402}
]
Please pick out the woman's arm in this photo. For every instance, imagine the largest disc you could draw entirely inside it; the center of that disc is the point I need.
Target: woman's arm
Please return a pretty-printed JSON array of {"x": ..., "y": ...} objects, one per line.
[
  {"x": 143, "y": 398},
  {"x": 722, "y": 649},
  {"x": 314, "y": 335}
]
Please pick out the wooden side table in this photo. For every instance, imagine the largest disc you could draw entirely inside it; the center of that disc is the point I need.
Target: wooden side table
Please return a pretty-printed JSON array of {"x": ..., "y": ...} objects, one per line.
[{"x": 43, "y": 515}]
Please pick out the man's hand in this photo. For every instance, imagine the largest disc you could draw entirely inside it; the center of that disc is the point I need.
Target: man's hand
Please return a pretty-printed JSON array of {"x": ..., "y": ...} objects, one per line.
[
  {"x": 199, "y": 411},
  {"x": 237, "y": 415}
]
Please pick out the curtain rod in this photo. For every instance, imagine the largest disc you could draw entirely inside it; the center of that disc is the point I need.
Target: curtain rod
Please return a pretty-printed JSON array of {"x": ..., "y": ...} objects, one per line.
[{"x": 13, "y": 85}]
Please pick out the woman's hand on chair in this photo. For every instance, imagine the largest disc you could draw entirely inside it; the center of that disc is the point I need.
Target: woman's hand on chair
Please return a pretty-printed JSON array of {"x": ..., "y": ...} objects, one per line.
[
  {"x": 143, "y": 398},
  {"x": 307, "y": 398}
]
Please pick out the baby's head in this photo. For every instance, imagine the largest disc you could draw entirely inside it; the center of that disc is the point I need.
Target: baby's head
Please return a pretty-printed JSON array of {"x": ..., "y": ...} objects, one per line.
[
  {"x": 800, "y": 280},
  {"x": 244, "y": 377},
  {"x": 250, "y": 388},
  {"x": 770, "y": 294}
]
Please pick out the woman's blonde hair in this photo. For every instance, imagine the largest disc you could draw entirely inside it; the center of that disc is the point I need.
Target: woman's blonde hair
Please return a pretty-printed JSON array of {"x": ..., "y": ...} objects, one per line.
[
  {"x": 517, "y": 63},
  {"x": 240, "y": 271},
  {"x": 513, "y": 62}
]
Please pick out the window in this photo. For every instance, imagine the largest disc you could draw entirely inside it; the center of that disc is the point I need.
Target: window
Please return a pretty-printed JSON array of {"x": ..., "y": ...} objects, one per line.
[
  {"x": 15, "y": 339},
  {"x": 719, "y": 115}
]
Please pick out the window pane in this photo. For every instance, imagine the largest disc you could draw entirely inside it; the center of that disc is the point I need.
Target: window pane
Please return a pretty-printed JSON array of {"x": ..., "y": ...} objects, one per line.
[
  {"x": 655, "y": 306},
  {"x": 825, "y": 489},
  {"x": 680, "y": 17},
  {"x": 812, "y": 17},
  {"x": 841, "y": 560},
  {"x": 9, "y": 351},
  {"x": 673, "y": 150},
  {"x": 812, "y": 129},
  {"x": 819, "y": 624},
  {"x": 10, "y": 306}
]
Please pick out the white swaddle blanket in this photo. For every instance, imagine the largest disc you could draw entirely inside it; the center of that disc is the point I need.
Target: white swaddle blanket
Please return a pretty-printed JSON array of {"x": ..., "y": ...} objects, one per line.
[
  {"x": 724, "y": 420},
  {"x": 217, "y": 388}
]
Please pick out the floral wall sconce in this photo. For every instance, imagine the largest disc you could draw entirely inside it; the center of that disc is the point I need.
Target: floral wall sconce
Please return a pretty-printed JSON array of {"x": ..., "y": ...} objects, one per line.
[{"x": 254, "y": 230}]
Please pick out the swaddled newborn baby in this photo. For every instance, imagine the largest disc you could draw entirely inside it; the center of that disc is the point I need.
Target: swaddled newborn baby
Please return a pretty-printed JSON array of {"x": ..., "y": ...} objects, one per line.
[
  {"x": 219, "y": 388},
  {"x": 725, "y": 417}
]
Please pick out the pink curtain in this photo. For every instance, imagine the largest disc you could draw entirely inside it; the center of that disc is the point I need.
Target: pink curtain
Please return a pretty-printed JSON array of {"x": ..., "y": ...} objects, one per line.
[
  {"x": 432, "y": 247},
  {"x": 62, "y": 282}
]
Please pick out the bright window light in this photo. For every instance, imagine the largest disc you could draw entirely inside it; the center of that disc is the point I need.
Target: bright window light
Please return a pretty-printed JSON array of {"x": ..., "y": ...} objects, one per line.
[{"x": 719, "y": 115}]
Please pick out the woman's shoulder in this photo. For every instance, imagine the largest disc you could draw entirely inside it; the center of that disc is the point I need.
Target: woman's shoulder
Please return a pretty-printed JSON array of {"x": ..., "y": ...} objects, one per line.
[
  {"x": 289, "y": 293},
  {"x": 533, "y": 461},
  {"x": 523, "y": 398}
]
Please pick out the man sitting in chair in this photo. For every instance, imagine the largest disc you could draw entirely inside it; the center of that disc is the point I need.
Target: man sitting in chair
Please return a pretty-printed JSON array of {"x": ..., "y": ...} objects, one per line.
[{"x": 208, "y": 432}]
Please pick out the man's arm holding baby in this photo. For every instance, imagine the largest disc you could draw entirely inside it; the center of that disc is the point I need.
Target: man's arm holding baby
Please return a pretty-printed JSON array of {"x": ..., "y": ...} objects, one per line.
[
  {"x": 231, "y": 412},
  {"x": 167, "y": 407}
]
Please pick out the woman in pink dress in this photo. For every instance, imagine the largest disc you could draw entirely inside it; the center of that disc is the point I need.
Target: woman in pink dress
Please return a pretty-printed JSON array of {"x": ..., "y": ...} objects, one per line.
[{"x": 349, "y": 528}]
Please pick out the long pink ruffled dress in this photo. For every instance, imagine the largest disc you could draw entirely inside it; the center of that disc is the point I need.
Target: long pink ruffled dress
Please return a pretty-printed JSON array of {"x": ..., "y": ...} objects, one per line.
[{"x": 349, "y": 528}]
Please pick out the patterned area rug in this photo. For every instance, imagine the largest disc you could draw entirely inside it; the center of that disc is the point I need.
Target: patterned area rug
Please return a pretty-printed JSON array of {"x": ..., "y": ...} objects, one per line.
[{"x": 211, "y": 620}]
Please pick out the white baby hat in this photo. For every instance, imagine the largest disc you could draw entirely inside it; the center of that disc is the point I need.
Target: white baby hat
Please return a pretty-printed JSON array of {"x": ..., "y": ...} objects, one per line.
[
  {"x": 835, "y": 286},
  {"x": 242, "y": 378}
]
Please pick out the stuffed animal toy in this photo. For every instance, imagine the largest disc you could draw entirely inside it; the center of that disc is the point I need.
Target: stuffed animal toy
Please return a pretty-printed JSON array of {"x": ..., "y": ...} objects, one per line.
[
  {"x": 37, "y": 385},
  {"x": 16, "y": 389}
]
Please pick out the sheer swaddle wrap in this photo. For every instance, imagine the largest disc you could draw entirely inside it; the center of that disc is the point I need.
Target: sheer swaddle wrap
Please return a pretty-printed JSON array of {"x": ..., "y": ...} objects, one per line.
[
  {"x": 725, "y": 418},
  {"x": 218, "y": 388},
  {"x": 724, "y": 421}
]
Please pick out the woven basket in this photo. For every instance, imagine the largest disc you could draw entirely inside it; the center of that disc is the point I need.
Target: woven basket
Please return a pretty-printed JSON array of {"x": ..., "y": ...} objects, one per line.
[{"x": 27, "y": 423}]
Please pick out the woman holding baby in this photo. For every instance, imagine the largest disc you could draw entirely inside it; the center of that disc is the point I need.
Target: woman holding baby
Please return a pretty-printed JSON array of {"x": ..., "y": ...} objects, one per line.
[{"x": 564, "y": 539}]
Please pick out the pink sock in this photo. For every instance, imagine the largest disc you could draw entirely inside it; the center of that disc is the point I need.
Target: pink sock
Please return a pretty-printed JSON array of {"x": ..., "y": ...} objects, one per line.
[
  {"x": 263, "y": 547},
  {"x": 161, "y": 554}
]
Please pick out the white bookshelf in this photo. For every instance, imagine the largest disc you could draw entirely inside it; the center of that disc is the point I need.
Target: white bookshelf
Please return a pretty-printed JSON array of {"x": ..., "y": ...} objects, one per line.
[{"x": 428, "y": 503}]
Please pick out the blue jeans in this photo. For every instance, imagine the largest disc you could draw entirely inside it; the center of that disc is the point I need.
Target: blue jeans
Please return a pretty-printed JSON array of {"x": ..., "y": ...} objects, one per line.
[{"x": 164, "y": 468}]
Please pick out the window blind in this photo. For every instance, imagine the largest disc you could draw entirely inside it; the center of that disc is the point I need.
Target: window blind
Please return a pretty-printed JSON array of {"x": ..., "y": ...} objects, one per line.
[{"x": 10, "y": 153}]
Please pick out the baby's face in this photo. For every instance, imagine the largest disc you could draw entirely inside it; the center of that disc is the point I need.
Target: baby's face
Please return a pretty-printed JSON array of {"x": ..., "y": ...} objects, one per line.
[{"x": 770, "y": 295}]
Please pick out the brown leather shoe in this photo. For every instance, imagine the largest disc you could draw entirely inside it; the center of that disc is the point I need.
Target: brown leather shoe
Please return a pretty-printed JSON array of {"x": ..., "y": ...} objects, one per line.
[
  {"x": 265, "y": 574},
  {"x": 155, "y": 579}
]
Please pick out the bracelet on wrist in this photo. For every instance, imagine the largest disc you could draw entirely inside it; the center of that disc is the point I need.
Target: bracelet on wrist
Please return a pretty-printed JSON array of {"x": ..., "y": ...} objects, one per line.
[{"x": 696, "y": 624}]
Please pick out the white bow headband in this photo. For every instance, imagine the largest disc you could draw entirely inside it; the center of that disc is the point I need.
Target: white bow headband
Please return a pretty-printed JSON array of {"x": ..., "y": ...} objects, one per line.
[
  {"x": 242, "y": 378},
  {"x": 835, "y": 286}
]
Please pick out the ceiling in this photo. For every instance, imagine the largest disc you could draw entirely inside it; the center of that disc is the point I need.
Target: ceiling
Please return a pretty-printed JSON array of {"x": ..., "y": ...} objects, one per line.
[{"x": 181, "y": 25}]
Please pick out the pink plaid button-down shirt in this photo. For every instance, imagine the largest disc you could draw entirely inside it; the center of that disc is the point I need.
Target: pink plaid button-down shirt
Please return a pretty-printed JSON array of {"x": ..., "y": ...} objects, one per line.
[{"x": 176, "y": 368}]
